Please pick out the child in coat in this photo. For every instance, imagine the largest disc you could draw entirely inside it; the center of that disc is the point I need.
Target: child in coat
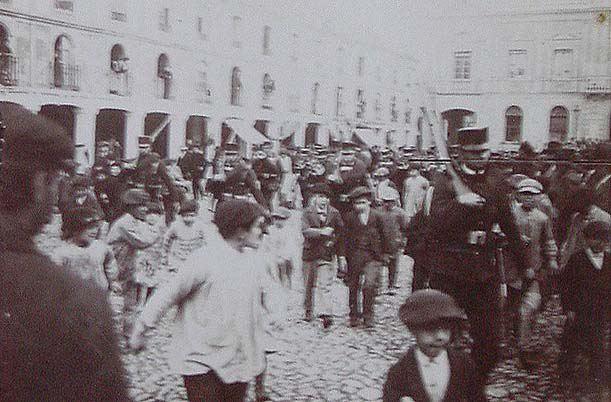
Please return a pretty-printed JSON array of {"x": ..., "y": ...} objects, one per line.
[
  {"x": 184, "y": 235},
  {"x": 585, "y": 287},
  {"x": 430, "y": 371}
]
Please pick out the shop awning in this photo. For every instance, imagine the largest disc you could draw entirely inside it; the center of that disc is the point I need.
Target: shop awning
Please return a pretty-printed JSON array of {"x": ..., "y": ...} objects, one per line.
[
  {"x": 370, "y": 137},
  {"x": 246, "y": 132}
]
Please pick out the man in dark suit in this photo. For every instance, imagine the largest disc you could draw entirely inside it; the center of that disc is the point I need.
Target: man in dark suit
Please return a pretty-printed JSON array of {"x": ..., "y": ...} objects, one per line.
[
  {"x": 57, "y": 337},
  {"x": 364, "y": 240}
]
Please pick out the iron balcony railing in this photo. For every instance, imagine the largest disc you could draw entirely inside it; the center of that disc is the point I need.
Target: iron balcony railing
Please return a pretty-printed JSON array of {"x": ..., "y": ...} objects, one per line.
[
  {"x": 65, "y": 76},
  {"x": 9, "y": 69}
]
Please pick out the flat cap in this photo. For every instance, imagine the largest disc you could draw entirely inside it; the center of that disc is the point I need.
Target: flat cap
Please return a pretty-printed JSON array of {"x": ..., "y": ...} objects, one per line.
[
  {"x": 320, "y": 188},
  {"x": 428, "y": 306},
  {"x": 34, "y": 140},
  {"x": 531, "y": 186},
  {"x": 135, "y": 196},
  {"x": 360, "y": 192}
]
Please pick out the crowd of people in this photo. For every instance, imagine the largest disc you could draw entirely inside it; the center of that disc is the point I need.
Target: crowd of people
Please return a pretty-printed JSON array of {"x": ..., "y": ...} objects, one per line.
[{"x": 493, "y": 236}]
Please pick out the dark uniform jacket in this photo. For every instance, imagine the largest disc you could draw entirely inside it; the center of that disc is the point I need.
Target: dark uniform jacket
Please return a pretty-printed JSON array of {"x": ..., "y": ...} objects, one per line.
[
  {"x": 57, "y": 338},
  {"x": 404, "y": 380},
  {"x": 351, "y": 179},
  {"x": 322, "y": 247},
  {"x": 243, "y": 181},
  {"x": 452, "y": 229},
  {"x": 363, "y": 243},
  {"x": 586, "y": 290}
]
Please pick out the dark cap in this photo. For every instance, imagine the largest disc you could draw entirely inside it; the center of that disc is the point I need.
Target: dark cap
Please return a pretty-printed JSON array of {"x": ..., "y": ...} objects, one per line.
[
  {"x": 360, "y": 192},
  {"x": 428, "y": 306},
  {"x": 77, "y": 219},
  {"x": 33, "y": 140},
  {"x": 232, "y": 215},
  {"x": 189, "y": 206},
  {"x": 320, "y": 188},
  {"x": 473, "y": 139}
]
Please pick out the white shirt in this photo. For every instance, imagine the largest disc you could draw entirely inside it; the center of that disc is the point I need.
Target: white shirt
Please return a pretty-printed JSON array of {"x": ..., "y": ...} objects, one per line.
[
  {"x": 596, "y": 258},
  {"x": 435, "y": 373}
]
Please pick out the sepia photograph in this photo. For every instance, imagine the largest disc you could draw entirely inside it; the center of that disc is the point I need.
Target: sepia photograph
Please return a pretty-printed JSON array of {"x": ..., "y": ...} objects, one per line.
[{"x": 305, "y": 200}]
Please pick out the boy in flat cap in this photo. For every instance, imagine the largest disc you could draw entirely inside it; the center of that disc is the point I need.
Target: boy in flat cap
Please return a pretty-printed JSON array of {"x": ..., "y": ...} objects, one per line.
[
  {"x": 57, "y": 338},
  {"x": 430, "y": 371},
  {"x": 585, "y": 286},
  {"x": 364, "y": 240}
]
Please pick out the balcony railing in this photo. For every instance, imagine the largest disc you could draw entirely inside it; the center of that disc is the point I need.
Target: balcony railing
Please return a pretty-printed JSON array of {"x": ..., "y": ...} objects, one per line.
[
  {"x": 597, "y": 85},
  {"x": 65, "y": 76},
  {"x": 9, "y": 68},
  {"x": 119, "y": 83}
]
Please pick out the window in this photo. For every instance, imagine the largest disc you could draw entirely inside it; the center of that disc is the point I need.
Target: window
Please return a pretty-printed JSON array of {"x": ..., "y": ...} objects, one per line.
[
  {"x": 513, "y": 124},
  {"x": 314, "y": 106},
  {"x": 360, "y": 104},
  {"x": 563, "y": 62},
  {"x": 164, "y": 75},
  {"x": 266, "y": 40},
  {"x": 361, "y": 66},
  {"x": 517, "y": 63},
  {"x": 164, "y": 20},
  {"x": 119, "y": 69},
  {"x": 462, "y": 65},
  {"x": 268, "y": 89},
  {"x": 339, "y": 101},
  {"x": 118, "y": 16},
  {"x": 558, "y": 124},
  {"x": 65, "y": 72},
  {"x": 236, "y": 25},
  {"x": 8, "y": 62},
  {"x": 64, "y": 5},
  {"x": 236, "y": 86},
  {"x": 408, "y": 112},
  {"x": 201, "y": 87},
  {"x": 394, "y": 115}
]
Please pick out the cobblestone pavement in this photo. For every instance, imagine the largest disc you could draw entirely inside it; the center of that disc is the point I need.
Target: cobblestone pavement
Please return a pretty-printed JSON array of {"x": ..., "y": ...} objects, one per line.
[{"x": 343, "y": 364}]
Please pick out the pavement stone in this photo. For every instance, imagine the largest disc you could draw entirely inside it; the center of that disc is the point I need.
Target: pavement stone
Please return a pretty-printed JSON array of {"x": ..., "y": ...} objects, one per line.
[{"x": 341, "y": 364}]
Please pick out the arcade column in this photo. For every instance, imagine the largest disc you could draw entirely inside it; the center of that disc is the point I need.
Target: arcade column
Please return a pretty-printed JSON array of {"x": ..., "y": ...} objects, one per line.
[
  {"x": 134, "y": 127},
  {"x": 84, "y": 132},
  {"x": 178, "y": 134}
]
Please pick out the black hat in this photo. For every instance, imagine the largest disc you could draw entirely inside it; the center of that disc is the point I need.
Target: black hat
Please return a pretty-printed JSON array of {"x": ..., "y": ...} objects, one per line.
[
  {"x": 596, "y": 230},
  {"x": 473, "y": 139},
  {"x": 74, "y": 220},
  {"x": 320, "y": 188},
  {"x": 33, "y": 140},
  {"x": 428, "y": 306},
  {"x": 360, "y": 192},
  {"x": 189, "y": 206}
]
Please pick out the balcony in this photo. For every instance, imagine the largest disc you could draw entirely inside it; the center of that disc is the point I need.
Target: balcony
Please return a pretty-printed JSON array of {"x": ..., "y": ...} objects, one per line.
[
  {"x": 119, "y": 83},
  {"x": 65, "y": 76},
  {"x": 9, "y": 65},
  {"x": 597, "y": 85}
]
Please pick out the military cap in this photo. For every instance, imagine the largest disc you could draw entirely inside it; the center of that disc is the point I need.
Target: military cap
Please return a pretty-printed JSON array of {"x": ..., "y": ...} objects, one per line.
[
  {"x": 231, "y": 146},
  {"x": 389, "y": 194},
  {"x": 596, "y": 230},
  {"x": 381, "y": 172},
  {"x": 320, "y": 188},
  {"x": 135, "y": 196},
  {"x": 189, "y": 206},
  {"x": 359, "y": 192},
  {"x": 281, "y": 213},
  {"x": 515, "y": 179},
  {"x": 428, "y": 306},
  {"x": 80, "y": 181},
  {"x": 33, "y": 140},
  {"x": 144, "y": 141},
  {"x": 76, "y": 219},
  {"x": 531, "y": 186},
  {"x": 473, "y": 138}
]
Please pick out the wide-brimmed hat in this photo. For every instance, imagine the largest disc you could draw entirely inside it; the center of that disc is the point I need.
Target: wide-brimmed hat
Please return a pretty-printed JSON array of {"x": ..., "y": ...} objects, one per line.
[{"x": 429, "y": 306}]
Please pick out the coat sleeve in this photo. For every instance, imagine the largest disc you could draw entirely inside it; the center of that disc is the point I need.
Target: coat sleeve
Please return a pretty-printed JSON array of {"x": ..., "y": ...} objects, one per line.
[
  {"x": 392, "y": 385},
  {"x": 339, "y": 234}
]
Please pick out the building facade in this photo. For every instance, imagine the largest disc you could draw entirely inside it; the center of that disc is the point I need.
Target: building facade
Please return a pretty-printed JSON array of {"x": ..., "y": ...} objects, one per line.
[
  {"x": 188, "y": 69},
  {"x": 534, "y": 71}
]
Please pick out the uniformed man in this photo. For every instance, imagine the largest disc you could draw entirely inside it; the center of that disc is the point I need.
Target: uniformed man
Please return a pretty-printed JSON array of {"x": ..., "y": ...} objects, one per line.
[
  {"x": 269, "y": 172},
  {"x": 239, "y": 180},
  {"x": 351, "y": 173},
  {"x": 465, "y": 209}
]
